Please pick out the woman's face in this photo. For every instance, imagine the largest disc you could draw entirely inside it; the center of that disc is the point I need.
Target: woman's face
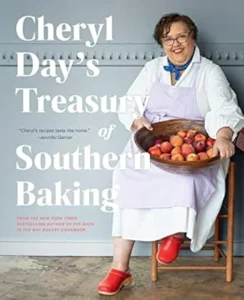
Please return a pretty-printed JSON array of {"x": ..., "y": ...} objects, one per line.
[{"x": 180, "y": 52}]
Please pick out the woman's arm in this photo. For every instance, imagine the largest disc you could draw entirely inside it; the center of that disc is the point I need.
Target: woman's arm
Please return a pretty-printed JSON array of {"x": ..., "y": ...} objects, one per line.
[
  {"x": 225, "y": 118},
  {"x": 225, "y": 133},
  {"x": 224, "y": 109}
]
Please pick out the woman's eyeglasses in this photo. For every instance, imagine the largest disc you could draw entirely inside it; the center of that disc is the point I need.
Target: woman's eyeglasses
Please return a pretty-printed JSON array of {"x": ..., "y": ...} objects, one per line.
[{"x": 183, "y": 38}]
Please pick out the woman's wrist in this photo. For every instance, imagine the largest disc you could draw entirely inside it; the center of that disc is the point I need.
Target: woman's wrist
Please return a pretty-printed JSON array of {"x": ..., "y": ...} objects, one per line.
[
  {"x": 225, "y": 133},
  {"x": 135, "y": 123}
]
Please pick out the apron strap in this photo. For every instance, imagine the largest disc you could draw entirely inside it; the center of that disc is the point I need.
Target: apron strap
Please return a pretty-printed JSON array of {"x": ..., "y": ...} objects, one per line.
[{"x": 195, "y": 76}]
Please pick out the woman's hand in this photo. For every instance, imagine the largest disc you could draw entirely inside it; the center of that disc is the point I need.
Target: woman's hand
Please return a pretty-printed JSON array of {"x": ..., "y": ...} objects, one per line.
[
  {"x": 141, "y": 122},
  {"x": 224, "y": 147},
  {"x": 223, "y": 144}
]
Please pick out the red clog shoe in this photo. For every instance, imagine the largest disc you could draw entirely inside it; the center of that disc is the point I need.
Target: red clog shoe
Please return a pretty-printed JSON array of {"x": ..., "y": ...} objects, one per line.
[
  {"x": 113, "y": 282},
  {"x": 169, "y": 249}
]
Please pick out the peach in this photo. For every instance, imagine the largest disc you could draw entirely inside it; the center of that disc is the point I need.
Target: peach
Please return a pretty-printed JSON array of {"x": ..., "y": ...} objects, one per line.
[
  {"x": 199, "y": 145},
  {"x": 192, "y": 157},
  {"x": 152, "y": 148},
  {"x": 157, "y": 145},
  {"x": 177, "y": 157},
  {"x": 165, "y": 156},
  {"x": 210, "y": 142},
  {"x": 181, "y": 133},
  {"x": 176, "y": 150},
  {"x": 155, "y": 151},
  {"x": 158, "y": 142},
  {"x": 189, "y": 140},
  {"x": 202, "y": 155},
  {"x": 191, "y": 133},
  {"x": 176, "y": 140},
  {"x": 187, "y": 149},
  {"x": 166, "y": 147},
  {"x": 210, "y": 152},
  {"x": 200, "y": 137}
]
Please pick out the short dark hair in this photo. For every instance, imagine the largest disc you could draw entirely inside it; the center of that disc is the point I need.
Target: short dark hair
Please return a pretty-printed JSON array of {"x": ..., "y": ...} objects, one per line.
[{"x": 165, "y": 23}]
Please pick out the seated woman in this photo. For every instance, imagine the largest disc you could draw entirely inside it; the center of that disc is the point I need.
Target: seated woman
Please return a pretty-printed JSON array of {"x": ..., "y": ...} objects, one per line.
[{"x": 154, "y": 204}]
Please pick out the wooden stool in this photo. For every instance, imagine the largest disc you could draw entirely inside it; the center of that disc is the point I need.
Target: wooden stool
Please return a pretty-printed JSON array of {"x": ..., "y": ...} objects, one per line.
[{"x": 227, "y": 212}]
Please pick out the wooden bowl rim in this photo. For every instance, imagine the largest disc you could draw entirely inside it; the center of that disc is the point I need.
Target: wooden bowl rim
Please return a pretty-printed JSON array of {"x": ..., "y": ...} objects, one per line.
[{"x": 197, "y": 163}]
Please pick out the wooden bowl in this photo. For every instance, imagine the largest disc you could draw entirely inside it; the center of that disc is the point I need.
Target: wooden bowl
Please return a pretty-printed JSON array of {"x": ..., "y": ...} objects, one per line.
[{"x": 163, "y": 130}]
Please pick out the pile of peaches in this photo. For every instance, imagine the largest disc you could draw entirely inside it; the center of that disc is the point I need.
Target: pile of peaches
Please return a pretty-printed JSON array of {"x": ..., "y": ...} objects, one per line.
[{"x": 184, "y": 146}]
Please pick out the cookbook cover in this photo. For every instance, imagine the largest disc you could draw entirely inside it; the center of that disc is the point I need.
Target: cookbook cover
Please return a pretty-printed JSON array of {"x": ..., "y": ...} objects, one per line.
[{"x": 65, "y": 68}]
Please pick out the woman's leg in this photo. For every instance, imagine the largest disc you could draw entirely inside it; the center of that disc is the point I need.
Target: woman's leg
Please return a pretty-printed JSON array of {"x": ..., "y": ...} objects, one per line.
[
  {"x": 119, "y": 275},
  {"x": 121, "y": 253}
]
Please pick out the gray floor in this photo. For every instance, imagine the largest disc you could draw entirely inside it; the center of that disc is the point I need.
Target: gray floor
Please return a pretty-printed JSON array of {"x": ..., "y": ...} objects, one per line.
[{"x": 73, "y": 278}]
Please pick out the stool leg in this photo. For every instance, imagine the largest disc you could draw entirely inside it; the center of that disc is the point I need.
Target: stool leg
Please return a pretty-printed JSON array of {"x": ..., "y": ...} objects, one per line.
[
  {"x": 216, "y": 236},
  {"x": 230, "y": 226},
  {"x": 154, "y": 271}
]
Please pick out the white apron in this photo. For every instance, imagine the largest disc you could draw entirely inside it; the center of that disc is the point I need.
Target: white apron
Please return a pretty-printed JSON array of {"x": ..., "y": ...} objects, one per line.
[{"x": 149, "y": 224}]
